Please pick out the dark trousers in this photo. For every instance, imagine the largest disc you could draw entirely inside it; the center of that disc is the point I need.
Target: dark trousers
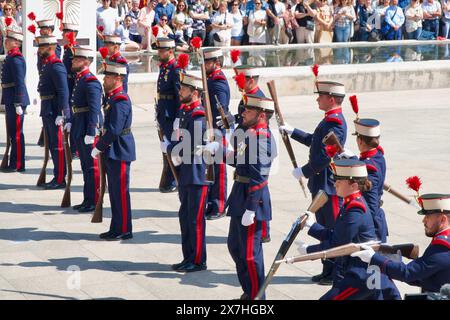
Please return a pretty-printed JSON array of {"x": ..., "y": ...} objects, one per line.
[
  {"x": 245, "y": 247},
  {"x": 192, "y": 222},
  {"x": 118, "y": 174},
  {"x": 56, "y": 147},
  {"x": 352, "y": 288},
  {"x": 326, "y": 216},
  {"x": 15, "y": 131},
  {"x": 199, "y": 33},
  {"x": 394, "y": 35},
  {"x": 91, "y": 172},
  {"x": 432, "y": 26}
]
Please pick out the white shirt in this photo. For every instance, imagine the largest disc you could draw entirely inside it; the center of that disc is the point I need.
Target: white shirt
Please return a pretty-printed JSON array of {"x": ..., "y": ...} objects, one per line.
[
  {"x": 223, "y": 18},
  {"x": 257, "y": 33},
  {"x": 107, "y": 18},
  {"x": 237, "y": 29}
]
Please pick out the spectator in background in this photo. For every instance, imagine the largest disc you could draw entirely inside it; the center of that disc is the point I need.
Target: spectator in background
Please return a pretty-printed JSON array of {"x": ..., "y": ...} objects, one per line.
[
  {"x": 344, "y": 15},
  {"x": 403, "y": 4},
  {"x": 8, "y": 12},
  {"x": 163, "y": 27},
  {"x": 199, "y": 14},
  {"x": 380, "y": 13},
  {"x": 166, "y": 8},
  {"x": 275, "y": 22},
  {"x": 124, "y": 32},
  {"x": 127, "y": 5},
  {"x": 107, "y": 18},
  {"x": 133, "y": 28},
  {"x": 324, "y": 22},
  {"x": 182, "y": 22},
  {"x": 305, "y": 13},
  {"x": 221, "y": 24},
  {"x": 237, "y": 31},
  {"x": 432, "y": 12},
  {"x": 413, "y": 22},
  {"x": 257, "y": 20},
  {"x": 395, "y": 19},
  {"x": 121, "y": 12},
  {"x": 445, "y": 18},
  {"x": 145, "y": 22},
  {"x": 2, "y": 5},
  {"x": 365, "y": 10}
]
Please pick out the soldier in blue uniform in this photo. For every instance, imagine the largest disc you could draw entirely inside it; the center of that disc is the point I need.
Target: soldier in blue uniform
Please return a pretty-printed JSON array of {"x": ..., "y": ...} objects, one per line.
[
  {"x": 317, "y": 170},
  {"x": 431, "y": 271},
  {"x": 354, "y": 224},
  {"x": 112, "y": 43},
  {"x": 15, "y": 98},
  {"x": 218, "y": 90},
  {"x": 117, "y": 145},
  {"x": 55, "y": 111},
  {"x": 168, "y": 102},
  {"x": 249, "y": 204},
  {"x": 192, "y": 187},
  {"x": 86, "y": 119}
]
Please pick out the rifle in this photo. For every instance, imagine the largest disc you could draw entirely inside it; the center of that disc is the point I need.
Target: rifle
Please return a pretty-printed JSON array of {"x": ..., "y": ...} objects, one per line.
[
  {"x": 41, "y": 138},
  {"x": 223, "y": 116},
  {"x": 209, "y": 118},
  {"x": 280, "y": 121},
  {"x": 166, "y": 157},
  {"x": 331, "y": 139},
  {"x": 407, "y": 250},
  {"x": 41, "y": 179},
  {"x": 5, "y": 159},
  {"x": 98, "y": 213},
  {"x": 66, "y": 198},
  {"x": 319, "y": 200}
]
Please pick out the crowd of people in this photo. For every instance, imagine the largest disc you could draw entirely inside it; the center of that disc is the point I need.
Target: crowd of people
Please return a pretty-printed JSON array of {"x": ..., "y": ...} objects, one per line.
[{"x": 223, "y": 23}]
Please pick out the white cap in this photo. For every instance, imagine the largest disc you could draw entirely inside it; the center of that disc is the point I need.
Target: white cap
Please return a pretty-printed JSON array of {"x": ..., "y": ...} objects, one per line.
[
  {"x": 262, "y": 103},
  {"x": 165, "y": 43},
  {"x": 45, "y": 23},
  {"x": 347, "y": 169},
  {"x": 112, "y": 39},
  {"x": 248, "y": 71},
  {"x": 116, "y": 69},
  {"x": 331, "y": 88},
  {"x": 71, "y": 27},
  {"x": 211, "y": 53},
  {"x": 367, "y": 127},
  {"x": 434, "y": 202},
  {"x": 14, "y": 35},
  {"x": 84, "y": 52},
  {"x": 192, "y": 81},
  {"x": 46, "y": 40}
]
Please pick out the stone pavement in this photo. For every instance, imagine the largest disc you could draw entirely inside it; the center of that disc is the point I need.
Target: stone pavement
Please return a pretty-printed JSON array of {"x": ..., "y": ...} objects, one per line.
[{"x": 40, "y": 243}]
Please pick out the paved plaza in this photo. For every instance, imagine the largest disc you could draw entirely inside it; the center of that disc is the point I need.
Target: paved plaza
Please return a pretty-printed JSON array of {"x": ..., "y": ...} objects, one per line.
[{"x": 42, "y": 245}]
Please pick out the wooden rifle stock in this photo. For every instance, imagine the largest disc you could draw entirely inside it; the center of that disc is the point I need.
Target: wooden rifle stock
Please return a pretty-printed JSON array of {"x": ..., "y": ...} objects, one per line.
[
  {"x": 209, "y": 118},
  {"x": 319, "y": 200},
  {"x": 226, "y": 125},
  {"x": 331, "y": 139},
  {"x": 41, "y": 179},
  {"x": 5, "y": 159},
  {"x": 280, "y": 121},
  {"x": 66, "y": 198}
]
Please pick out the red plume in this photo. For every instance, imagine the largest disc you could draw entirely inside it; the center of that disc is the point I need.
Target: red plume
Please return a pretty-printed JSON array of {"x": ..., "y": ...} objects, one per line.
[
  {"x": 103, "y": 52},
  {"x": 183, "y": 60},
  {"x": 196, "y": 42},
  {"x": 60, "y": 16},
  {"x": 101, "y": 28},
  {"x": 414, "y": 183},
  {"x": 240, "y": 80},
  {"x": 71, "y": 38},
  {"x": 8, "y": 21},
  {"x": 155, "y": 31},
  {"x": 315, "y": 70},
  {"x": 31, "y": 16},
  {"x": 331, "y": 150},
  {"x": 32, "y": 29},
  {"x": 354, "y": 102},
  {"x": 235, "y": 54}
]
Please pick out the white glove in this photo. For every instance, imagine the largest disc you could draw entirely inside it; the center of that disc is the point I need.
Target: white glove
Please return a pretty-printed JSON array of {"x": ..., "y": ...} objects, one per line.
[
  {"x": 164, "y": 145},
  {"x": 287, "y": 129},
  {"x": 210, "y": 147},
  {"x": 301, "y": 247},
  {"x": 89, "y": 139},
  {"x": 95, "y": 152},
  {"x": 59, "y": 121},
  {"x": 67, "y": 127},
  {"x": 176, "y": 160},
  {"x": 297, "y": 173},
  {"x": 365, "y": 255},
  {"x": 310, "y": 220},
  {"x": 347, "y": 154},
  {"x": 248, "y": 218},
  {"x": 19, "y": 110},
  {"x": 176, "y": 124}
]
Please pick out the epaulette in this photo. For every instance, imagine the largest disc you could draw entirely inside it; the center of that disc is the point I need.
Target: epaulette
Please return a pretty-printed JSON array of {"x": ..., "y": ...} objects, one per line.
[
  {"x": 441, "y": 240},
  {"x": 120, "y": 97},
  {"x": 356, "y": 204},
  {"x": 91, "y": 78},
  {"x": 198, "y": 112},
  {"x": 121, "y": 60},
  {"x": 219, "y": 77},
  {"x": 55, "y": 61},
  {"x": 262, "y": 132},
  {"x": 333, "y": 119},
  {"x": 371, "y": 167},
  {"x": 379, "y": 148},
  {"x": 17, "y": 54}
]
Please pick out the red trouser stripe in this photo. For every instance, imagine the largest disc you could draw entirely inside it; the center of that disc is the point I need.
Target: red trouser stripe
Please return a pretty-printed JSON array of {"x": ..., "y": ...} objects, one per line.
[
  {"x": 60, "y": 177},
  {"x": 335, "y": 206},
  {"x": 346, "y": 293},
  {"x": 96, "y": 175},
  {"x": 18, "y": 142},
  {"x": 222, "y": 180},
  {"x": 264, "y": 229},
  {"x": 251, "y": 260},
  {"x": 123, "y": 194},
  {"x": 199, "y": 226}
]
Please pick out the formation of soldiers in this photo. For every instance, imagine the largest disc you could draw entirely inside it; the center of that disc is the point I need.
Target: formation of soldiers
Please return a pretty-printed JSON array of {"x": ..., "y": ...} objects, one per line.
[{"x": 72, "y": 100}]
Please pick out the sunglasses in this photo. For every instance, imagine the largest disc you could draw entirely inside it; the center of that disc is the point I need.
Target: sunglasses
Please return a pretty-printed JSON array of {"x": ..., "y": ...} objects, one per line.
[{"x": 165, "y": 20}]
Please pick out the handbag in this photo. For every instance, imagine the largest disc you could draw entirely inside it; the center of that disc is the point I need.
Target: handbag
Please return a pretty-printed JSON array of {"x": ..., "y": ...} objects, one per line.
[
  {"x": 386, "y": 27},
  {"x": 310, "y": 25}
]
